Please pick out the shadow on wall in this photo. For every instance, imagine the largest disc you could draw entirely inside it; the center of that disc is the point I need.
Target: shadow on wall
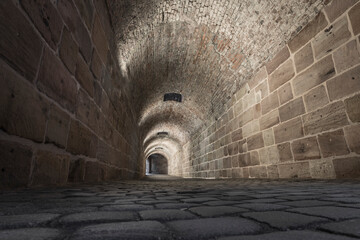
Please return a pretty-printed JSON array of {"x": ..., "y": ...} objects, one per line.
[{"x": 156, "y": 164}]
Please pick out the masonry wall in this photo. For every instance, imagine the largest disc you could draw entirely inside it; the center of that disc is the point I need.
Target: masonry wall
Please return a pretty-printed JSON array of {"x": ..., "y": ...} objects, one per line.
[
  {"x": 299, "y": 116},
  {"x": 64, "y": 113}
]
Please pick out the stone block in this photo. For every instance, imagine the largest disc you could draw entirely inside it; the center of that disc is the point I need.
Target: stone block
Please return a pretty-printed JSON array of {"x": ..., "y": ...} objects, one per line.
[
  {"x": 50, "y": 168},
  {"x": 73, "y": 21},
  {"x": 99, "y": 40},
  {"x": 76, "y": 170},
  {"x": 331, "y": 38},
  {"x": 259, "y": 77},
  {"x": 68, "y": 51},
  {"x": 96, "y": 66},
  {"x": 279, "y": 58},
  {"x": 269, "y": 155},
  {"x": 322, "y": 169},
  {"x": 337, "y": 7},
  {"x": 285, "y": 93},
  {"x": 347, "y": 167},
  {"x": 352, "y": 134},
  {"x": 258, "y": 172},
  {"x": 55, "y": 81},
  {"x": 272, "y": 172},
  {"x": 345, "y": 84},
  {"x": 269, "y": 137},
  {"x": 263, "y": 89},
  {"x": 352, "y": 108},
  {"x": 86, "y": 10},
  {"x": 238, "y": 108},
  {"x": 269, "y": 103},
  {"x": 87, "y": 112},
  {"x": 316, "y": 98},
  {"x": 57, "y": 127},
  {"x": 236, "y": 135},
  {"x": 347, "y": 56},
  {"x": 333, "y": 144},
  {"x": 294, "y": 170},
  {"x": 15, "y": 164},
  {"x": 255, "y": 141},
  {"x": 349, "y": 227},
  {"x": 305, "y": 149},
  {"x": 354, "y": 15},
  {"x": 304, "y": 58},
  {"x": 30, "y": 233},
  {"x": 84, "y": 76},
  {"x": 289, "y": 130},
  {"x": 254, "y": 158},
  {"x": 331, "y": 212},
  {"x": 292, "y": 109},
  {"x": 15, "y": 33},
  {"x": 94, "y": 172},
  {"x": 330, "y": 117},
  {"x": 282, "y": 75},
  {"x": 23, "y": 111},
  {"x": 81, "y": 140},
  {"x": 285, "y": 154},
  {"x": 313, "y": 76},
  {"x": 269, "y": 120},
  {"x": 310, "y": 30},
  {"x": 46, "y": 19}
]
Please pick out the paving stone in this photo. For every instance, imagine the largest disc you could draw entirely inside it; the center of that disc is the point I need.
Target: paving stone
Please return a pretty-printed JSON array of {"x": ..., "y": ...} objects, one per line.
[
  {"x": 335, "y": 213},
  {"x": 221, "y": 203},
  {"x": 216, "y": 211},
  {"x": 124, "y": 207},
  {"x": 125, "y": 230},
  {"x": 166, "y": 215},
  {"x": 262, "y": 206},
  {"x": 30, "y": 234},
  {"x": 27, "y": 220},
  {"x": 284, "y": 220},
  {"x": 350, "y": 227},
  {"x": 307, "y": 203},
  {"x": 212, "y": 227},
  {"x": 199, "y": 200},
  {"x": 343, "y": 199},
  {"x": 100, "y": 216},
  {"x": 294, "y": 235}
]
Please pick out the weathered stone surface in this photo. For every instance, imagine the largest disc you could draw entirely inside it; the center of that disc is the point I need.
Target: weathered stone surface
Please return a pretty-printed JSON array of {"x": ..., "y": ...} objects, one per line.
[
  {"x": 349, "y": 227},
  {"x": 347, "y": 56},
  {"x": 256, "y": 141},
  {"x": 15, "y": 164},
  {"x": 316, "y": 98},
  {"x": 166, "y": 215},
  {"x": 80, "y": 140},
  {"x": 269, "y": 103},
  {"x": 86, "y": 10},
  {"x": 87, "y": 111},
  {"x": 55, "y": 81},
  {"x": 46, "y": 18},
  {"x": 333, "y": 144},
  {"x": 292, "y": 109},
  {"x": 335, "y": 213},
  {"x": 285, "y": 153},
  {"x": 268, "y": 137},
  {"x": 263, "y": 89},
  {"x": 236, "y": 135},
  {"x": 347, "y": 167},
  {"x": 280, "y": 57},
  {"x": 352, "y": 108},
  {"x": 285, "y": 93},
  {"x": 269, "y": 155},
  {"x": 259, "y": 77},
  {"x": 280, "y": 76},
  {"x": 96, "y": 65},
  {"x": 76, "y": 170},
  {"x": 23, "y": 112},
  {"x": 313, "y": 76},
  {"x": 68, "y": 51},
  {"x": 337, "y": 7},
  {"x": 99, "y": 39},
  {"x": 289, "y": 130},
  {"x": 306, "y": 148},
  {"x": 30, "y": 233},
  {"x": 322, "y": 169},
  {"x": 294, "y": 170},
  {"x": 313, "y": 28},
  {"x": 331, "y": 38},
  {"x": 354, "y": 15},
  {"x": 269, "y": 120},
  {"x": 57, "y": 127},
  {"x": 94, "y": 172},
  {"x": 304, "y": 58},
  {"x": 27, "y": 55},
  {"x": 50, "y": 168},
  {"x": 329, "y": 117},
  {"x": 84, "y": 76},
  {"x": 258, "y": 172},
  {"x": 105, "y": 216},
  {"x": 25, "y": 220},
  {"x": 345, "y": 84},
  {"x": 126, "y": 207},
  {"x": 352, "y": 134},
  {"x": 216, "y": 211}
]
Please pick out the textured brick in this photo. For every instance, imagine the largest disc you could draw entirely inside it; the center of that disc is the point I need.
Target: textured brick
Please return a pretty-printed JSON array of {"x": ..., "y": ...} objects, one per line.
[
  {"x": 322, "y": 169},
  {"x": 285, "y": 153},
  {"x": 289, "y": 130},
  {"x": 354, "y": 15},
  {"x": 96, "y": 65},
  {"x": 57, "y": 127},
  {"x": 313, "y": 76},
  {"x": 30, "y": 233},
  {"x": 80, "y": 140},
  {"x": 333, "y": 144},
  {"x": 269, "y": 103},
  {"x": 329, "y": 117},
  {"x": 50, "y": 168},
  {"x": 283, "y": 74},
  {"x": 254, "y": 158},
  {"x": 86, "y": 10},
  {"x": 258, "y": 172},
  {"x": 55, "y": 81},
  {"x": 347, "y": 167},
  {"x": 99, "y": 39},
  {"x": 259, "y": 77},
  {"x": 280, "y": 57},
  {"x": 306, "y": 148},
  {"x": 87, "y": 112},
  {"x": 269, "y": 155},
  {"x": 46, "y": 18},
  {"x": 345, "y": 84},
  {"x": 27, "y": 55},
  {"x": 236, "y": 135},
  {"x": 347, "y": 56},
  {"x": 352, "y": 108},
  {"x": 263, "y": 89},
  {"x": 76, "y": 170},
  {"x": 331, "y": 38},
  {"x": 313, "y": 28},
  {"x": 68, "y": 51},
  {"x": 352, "y": 134},
  {"x": 256, "y": 141},
  {"x": 316, "y": 98},
  {"x": 285, "y": 93},
  {"x": 337, "y": 7},
  {"x": 273, "y": 172},
  {"x": 26, "y": 220},
  {"x": 15, "y": 164},
  {"x": 94, "y": 172},
  {"x": 294, "y": 170},
  {"x": 292, "y": 109},
  {"x": 23, "y": 111},
  {"x": 84, "y": 76},
  {"x": 304, "y": 58},
  {"x": 269, "y": 137}
]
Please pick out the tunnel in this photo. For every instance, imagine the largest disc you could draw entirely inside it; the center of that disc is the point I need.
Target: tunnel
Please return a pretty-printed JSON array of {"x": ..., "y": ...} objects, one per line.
[{"x": 179, "y": 119}]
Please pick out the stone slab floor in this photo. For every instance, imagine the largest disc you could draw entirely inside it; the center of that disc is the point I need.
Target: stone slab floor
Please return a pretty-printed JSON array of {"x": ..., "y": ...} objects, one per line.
[{"x": 170, "y": 208}]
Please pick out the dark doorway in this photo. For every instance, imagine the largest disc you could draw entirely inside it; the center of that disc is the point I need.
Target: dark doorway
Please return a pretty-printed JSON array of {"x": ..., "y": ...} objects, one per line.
[{"x": 156, "y": 164}]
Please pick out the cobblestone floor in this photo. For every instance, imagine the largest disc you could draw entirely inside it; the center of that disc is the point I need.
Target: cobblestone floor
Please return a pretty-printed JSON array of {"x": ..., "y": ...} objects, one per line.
[{"x": 159, "y": 208}]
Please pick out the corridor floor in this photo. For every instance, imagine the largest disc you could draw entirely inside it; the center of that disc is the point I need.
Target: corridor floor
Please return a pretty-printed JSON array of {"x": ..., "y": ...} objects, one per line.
[{"x": 162, "y": 208}]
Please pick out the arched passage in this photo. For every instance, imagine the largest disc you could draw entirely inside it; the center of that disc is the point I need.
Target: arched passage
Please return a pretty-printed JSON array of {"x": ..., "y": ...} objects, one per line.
[{"x": 156, "y": 164}]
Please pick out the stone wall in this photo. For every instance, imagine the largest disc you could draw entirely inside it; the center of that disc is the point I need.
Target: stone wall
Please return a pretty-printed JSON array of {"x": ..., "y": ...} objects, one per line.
[
  {"x": 64, "y": 113},
  {"x": 299, "y": 116}
]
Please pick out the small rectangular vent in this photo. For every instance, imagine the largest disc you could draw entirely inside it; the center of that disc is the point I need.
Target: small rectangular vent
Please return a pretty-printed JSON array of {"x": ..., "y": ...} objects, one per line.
[
  {"x": 162, "y": 133},
  {"x": 158, "y": 148},
  {"x": 173, "y": 97}
]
